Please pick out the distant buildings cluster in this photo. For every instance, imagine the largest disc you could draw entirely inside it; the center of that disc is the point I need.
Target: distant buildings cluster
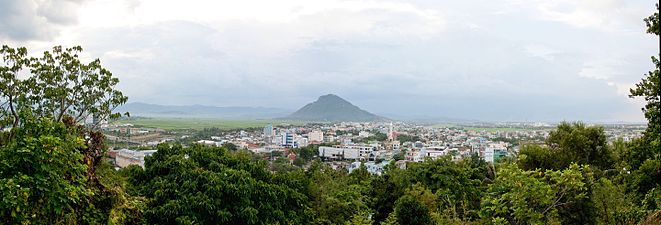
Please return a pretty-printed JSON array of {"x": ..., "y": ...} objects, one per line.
[{"x": 347, "y": 144}]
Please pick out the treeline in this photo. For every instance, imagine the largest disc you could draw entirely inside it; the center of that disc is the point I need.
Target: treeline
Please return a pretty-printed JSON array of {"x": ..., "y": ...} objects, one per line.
[
  {"x": 45, "y": 179},
  {"x": 594, "y": 184}
]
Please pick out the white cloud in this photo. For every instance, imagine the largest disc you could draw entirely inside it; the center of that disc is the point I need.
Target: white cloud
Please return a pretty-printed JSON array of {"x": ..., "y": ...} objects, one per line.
[
  {"x": 497, "y": 60},
  {"x": 607, "y": 15}
]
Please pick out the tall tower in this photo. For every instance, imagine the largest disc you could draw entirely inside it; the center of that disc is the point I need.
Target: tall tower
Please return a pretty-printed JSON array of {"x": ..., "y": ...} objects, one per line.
[{"x": 391, "y": 133}]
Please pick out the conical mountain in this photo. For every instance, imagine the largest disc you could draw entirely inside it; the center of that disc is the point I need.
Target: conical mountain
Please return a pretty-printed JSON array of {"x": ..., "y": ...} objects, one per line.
[{"x": 332, "y": 108}]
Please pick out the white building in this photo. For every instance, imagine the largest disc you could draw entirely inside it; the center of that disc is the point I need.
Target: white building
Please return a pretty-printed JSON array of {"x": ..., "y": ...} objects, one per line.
[
  {"x": 430, "y": 152},
  {"x": 316, "y": 136},
  {"x": 125, "y": 157},
  {"x": 347, "y": 152}
]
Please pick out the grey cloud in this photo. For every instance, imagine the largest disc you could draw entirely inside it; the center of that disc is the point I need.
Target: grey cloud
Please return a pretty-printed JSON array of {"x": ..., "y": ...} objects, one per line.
[
  {"x": 24, "y": 20},
  {"x": 475, "y": 65}
]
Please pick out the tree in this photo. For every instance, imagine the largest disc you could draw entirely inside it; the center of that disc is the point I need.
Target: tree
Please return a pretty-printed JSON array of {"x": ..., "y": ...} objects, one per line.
[
  {"x": 12, "y": 88},
  {"x": 581, "y": 144},
  {"x": 335, "y": 196},
  {"x": 410, "y": 211},
  {"x": 58, "y": 84},
  {"x": 533, "y": 156},
  {"x": 528, "y": 197},
  {"x": 457, "y": 185},
  {"x": 650, "y": 87},
  {"x": 210, "y": 185},
  {"x": 42, "y": 177},
  {"x": 569, "y": 143},
  {"x": 644, "y": 157},
  {"x": 49, "y": 174}
]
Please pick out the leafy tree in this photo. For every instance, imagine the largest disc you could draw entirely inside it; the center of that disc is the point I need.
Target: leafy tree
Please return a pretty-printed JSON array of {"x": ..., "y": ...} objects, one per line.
[
  {"x": 410, "y": 211},
  {"x": 644, "y": 155},
  {"x": 399, "y": 155},
  {"x": 645, "y": 179},
  {"x": 650, "y": 89},
  {"x": 527, "y": 197},
  {"x": 580, "y": 144},
  {"x": 533, "y": 156},
  {"x": 385, "y": 190},
  {"x": 335, "y": 197},
  {"x": 569, "y": 143},
  {"x": 612, "y": 206},
  {"x": 307, "y": 153},
  {"x": 59, "y": 84},
  {"x": 12, "y": 88},
  {"x": 407, "y": 138},
  {"x": 457, "y": 185},
  {"x": 360, "y": 218},
  {"x": 211, "y": 185},
  {"x": 230, "y": 146},
  {"x": 42, "y": 177}
]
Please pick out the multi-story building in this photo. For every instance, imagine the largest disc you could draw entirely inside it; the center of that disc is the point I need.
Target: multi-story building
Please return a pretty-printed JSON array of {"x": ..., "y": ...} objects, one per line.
[
  {"x": 287, "y": 140},
  {"x": 348, "y": 152},
  {"x": 316, "y": 136}
]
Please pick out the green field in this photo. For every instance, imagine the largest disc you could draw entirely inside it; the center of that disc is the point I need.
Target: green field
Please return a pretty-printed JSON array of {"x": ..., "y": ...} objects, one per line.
[
  {"x": 486, "y": 129},
  {"x": 200, "y": 123},
  {"x": 496, "y": 129}
]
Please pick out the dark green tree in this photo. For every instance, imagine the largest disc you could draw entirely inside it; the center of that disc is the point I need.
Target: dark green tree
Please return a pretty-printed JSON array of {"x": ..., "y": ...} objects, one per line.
[
  {"x": 208, "y": 185},
  {"x": 410, "y": 211},
  {"x": 569, "y": 143}
]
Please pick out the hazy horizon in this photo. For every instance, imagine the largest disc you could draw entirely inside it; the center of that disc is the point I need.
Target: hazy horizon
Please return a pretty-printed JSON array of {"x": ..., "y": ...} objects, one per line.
[{"x": 505, "y": 60}]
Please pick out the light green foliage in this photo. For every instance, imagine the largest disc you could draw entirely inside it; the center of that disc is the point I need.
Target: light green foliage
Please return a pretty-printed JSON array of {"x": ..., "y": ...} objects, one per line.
[
  {"x": 360, "y": 218},
  {"x": 335, "y": 196},
  {"x": 526, "y": 197}
]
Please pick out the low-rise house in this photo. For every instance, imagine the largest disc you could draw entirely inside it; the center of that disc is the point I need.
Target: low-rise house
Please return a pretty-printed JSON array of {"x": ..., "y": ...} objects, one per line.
[{"x": 126, "y": 157}]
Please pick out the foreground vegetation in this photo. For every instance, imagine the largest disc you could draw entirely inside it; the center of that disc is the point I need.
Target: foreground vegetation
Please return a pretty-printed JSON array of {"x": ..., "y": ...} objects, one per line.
[{"x": 52, "y": 169}]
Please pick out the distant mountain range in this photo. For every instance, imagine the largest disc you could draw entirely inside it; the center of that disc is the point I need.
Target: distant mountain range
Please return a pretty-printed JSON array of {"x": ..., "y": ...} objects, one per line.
[
  {"x": 332, "y": 108},
  {"x": 201, "y": 111},
  {"x": 327, "y": 108}
]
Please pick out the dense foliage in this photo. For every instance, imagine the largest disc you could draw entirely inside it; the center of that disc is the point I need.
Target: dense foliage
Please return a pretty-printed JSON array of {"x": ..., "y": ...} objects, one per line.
[{"x": 204, "y": 185}]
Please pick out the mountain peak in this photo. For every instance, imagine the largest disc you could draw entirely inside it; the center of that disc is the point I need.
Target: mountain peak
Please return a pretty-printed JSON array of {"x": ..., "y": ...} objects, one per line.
[
  {"x": 333, "y": 108},
  {"x": 330, "y": 96}
]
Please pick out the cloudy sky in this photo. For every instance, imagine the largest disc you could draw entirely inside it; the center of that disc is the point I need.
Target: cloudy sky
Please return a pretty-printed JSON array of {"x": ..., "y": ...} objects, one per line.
[{"x": 514, "y": 60}]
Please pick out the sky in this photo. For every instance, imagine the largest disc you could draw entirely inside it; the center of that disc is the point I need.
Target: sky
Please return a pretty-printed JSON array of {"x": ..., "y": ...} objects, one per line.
[{"x": 489, "y": 60}]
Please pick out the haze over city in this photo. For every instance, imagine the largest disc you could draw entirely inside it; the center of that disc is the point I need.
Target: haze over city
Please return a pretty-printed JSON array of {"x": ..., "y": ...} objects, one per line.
[{"x": 502, "y": 60}]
